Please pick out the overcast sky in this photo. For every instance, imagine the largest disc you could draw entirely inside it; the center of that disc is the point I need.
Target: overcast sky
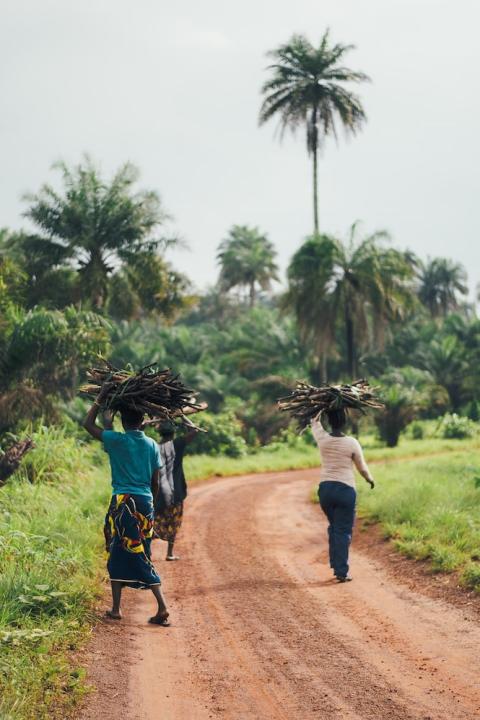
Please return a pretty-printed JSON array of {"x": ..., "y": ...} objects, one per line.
[{"x": 174, "y": 87}]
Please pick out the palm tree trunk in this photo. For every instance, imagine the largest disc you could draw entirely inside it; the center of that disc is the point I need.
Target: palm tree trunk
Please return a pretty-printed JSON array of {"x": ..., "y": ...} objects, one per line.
[
  {"x": 252, "y": 294},
  {"x": 315, "y": 188},
  {"x": 349, "y": 336},
  {"x": 324, "y": 369}
]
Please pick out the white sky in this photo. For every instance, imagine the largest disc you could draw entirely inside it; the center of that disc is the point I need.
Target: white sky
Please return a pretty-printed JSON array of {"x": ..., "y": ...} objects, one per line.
[{"x": 174, "y": 87}]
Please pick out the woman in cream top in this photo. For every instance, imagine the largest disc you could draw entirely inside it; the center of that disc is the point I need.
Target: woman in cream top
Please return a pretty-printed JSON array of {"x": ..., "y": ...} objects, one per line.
[{"x": 336, "y": 491}]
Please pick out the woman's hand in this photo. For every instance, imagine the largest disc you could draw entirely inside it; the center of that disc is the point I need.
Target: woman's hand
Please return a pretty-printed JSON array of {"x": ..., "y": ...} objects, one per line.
[{"x": 102, "y": 394}]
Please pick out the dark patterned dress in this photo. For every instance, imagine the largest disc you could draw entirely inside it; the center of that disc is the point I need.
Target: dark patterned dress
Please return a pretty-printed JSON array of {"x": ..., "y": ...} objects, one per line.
[{"x": 168, "y": 519}]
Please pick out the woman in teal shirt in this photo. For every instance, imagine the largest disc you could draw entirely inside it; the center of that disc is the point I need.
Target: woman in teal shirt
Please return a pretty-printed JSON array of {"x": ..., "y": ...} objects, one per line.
[{"x": 135, "y": 465}]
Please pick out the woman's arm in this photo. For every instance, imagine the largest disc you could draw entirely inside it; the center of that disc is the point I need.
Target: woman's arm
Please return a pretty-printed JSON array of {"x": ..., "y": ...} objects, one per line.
[
  {"x": 361, "y": 465},
  {"x": 90, "y": 423},
  {"x": 318, "y": 431}
]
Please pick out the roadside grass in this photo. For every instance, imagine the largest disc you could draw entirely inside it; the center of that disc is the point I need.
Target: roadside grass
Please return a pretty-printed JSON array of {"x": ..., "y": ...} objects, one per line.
[
  {"x": 430, "y": 508},
  {"x": 51, "y": 516},
  {"x": 300, "y": 454}
]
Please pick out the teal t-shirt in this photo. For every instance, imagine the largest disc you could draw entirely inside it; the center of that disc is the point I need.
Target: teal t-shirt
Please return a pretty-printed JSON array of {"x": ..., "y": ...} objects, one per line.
[{"x": 134, "y": 457}]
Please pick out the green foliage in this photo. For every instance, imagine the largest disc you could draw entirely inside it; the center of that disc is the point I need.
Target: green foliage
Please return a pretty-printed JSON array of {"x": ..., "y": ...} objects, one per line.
[
  {"x": 417, "y": 431},
  {"x": 454, "y": 426},
  {"x": 151, "y": 286},
  {"x": 43, "y": 353},
  {"x": 446, "y": 360},
  {"x": 441, "y": 283},
  {"x": 50, "y": 557},
  {"x": 247, "y": 258},
  {"x": 401, "y": 405},
  {"x": 94, "y": 224},
  {"x": 473, "y": 411},
  {"x": 13, "y": 283},
  {"x": 361, "y": 284},
  {"x": 223, "y": 436}
]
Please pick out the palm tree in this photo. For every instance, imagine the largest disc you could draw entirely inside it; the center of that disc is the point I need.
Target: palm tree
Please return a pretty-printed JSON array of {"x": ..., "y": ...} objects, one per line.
[
  {"x": 362, "y": 283},
  {"x": 246, "y": 258},
  {"x": 446, "y": 360},
  {"x": 307, "y": 88},
  {"x": 441, "y": 282},
  {"x": 94, "y": 224}
]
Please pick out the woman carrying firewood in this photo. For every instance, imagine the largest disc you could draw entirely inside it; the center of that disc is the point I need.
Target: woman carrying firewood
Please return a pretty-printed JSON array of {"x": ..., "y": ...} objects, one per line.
[
  {"x": 135, "y": 464},
  {"x": 336, "y": 491},
  {"x": 310, "y": 405}
]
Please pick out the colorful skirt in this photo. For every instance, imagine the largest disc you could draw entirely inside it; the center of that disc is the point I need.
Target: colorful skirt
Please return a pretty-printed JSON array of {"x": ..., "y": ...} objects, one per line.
[
  {"x": 168, "y": 522},
  {"x": 128, "y": 537}
]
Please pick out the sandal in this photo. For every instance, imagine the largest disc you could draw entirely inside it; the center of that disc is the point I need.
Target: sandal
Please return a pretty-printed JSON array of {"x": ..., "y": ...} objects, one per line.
[{"x": 160, "y": 620}]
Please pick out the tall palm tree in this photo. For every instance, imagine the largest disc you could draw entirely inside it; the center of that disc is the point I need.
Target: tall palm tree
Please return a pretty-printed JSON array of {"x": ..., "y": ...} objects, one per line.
[
  {"x": 93, "y": 224},
  {"x": 361, "y": 283},
  {"x": 441, "y": 281},
  {"x": 307, "y": 87},
  {"x": 247, "y": 258}
]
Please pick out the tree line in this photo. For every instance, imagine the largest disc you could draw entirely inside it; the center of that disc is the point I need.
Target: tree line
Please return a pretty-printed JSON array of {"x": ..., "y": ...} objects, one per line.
[{"x": 92, "y": 275}]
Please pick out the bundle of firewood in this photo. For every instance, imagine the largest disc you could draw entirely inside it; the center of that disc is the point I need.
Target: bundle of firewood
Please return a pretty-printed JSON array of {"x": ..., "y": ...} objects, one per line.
[
  {"x": 11, "y": 458},
  {"x": 307, "y": 401},
  {"x": 157, "y": 393}
]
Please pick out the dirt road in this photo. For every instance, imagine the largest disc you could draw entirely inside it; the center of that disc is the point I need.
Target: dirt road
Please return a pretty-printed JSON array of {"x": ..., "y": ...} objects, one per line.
[{"x": 261, "y": 632}]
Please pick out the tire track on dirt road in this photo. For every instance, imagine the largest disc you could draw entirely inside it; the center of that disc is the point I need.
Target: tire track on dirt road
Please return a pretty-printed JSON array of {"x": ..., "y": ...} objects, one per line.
[{"x": 261, "y": 632}]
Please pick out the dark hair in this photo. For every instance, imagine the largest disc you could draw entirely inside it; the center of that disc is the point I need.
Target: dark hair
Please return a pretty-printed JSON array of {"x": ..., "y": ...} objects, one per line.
[
  {"x": 131, "y": 417},
  {"x": 167, "y": 429},
  {"x": 337, "y": 419}
]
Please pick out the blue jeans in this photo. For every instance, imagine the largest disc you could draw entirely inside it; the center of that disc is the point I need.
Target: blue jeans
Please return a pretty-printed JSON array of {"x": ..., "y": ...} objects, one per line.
[{"x": 337, "y": 501}]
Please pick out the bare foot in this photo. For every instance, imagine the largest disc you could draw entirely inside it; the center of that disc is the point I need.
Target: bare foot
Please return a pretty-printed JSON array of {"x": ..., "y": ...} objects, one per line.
[
  {"x": 161, "y": 618},
  {"x": 113, "y": 615}
]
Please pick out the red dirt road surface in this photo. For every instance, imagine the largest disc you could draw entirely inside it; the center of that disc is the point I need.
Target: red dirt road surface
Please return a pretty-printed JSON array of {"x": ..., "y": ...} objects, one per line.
[{"x": 261, "y": 632}]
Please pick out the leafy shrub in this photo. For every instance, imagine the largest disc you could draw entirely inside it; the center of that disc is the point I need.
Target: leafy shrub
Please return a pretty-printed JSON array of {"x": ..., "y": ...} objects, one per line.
[
  {"x": 223, "y": 436},
  {"x": 473, "y": 411},
  {"x": 417, "y": 431},
  {"x": 290, "y": 438},
  {"x": 471, "y": 576},
  {"x": 401, "y": 405},
  {"x": 455, "y": 427}
]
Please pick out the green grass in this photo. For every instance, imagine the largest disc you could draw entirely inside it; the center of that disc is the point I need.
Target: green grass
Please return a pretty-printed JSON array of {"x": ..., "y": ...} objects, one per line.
[
  {"x": 50, "y": 560},
  {"x": 430, "y": 508},
  {"x": 300, "y": 455}
]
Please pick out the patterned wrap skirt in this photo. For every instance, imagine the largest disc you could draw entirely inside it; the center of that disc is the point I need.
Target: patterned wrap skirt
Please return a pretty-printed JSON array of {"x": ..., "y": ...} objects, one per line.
[
  {"x": 128, "y": 537},
  {"x": 168, "y": 522}
]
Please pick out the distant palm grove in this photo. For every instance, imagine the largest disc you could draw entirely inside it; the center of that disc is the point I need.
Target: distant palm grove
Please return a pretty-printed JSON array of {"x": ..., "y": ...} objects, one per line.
[{"x": 92, "y": 275}]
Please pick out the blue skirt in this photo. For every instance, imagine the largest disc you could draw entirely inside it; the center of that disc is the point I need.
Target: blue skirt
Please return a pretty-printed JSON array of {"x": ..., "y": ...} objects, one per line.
[{"x": 128, "y": 537}]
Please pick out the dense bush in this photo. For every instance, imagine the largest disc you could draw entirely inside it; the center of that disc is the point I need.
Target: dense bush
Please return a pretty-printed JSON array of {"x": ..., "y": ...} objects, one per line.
[
  {"x": 454, "y": 426},
  {"x": 417, "y": 431},
  {"x": 223, "y": 436}
]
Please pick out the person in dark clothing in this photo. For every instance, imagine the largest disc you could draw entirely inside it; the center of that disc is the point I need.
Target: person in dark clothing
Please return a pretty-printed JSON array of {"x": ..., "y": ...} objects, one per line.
[{"x": 168, "y": 518}]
